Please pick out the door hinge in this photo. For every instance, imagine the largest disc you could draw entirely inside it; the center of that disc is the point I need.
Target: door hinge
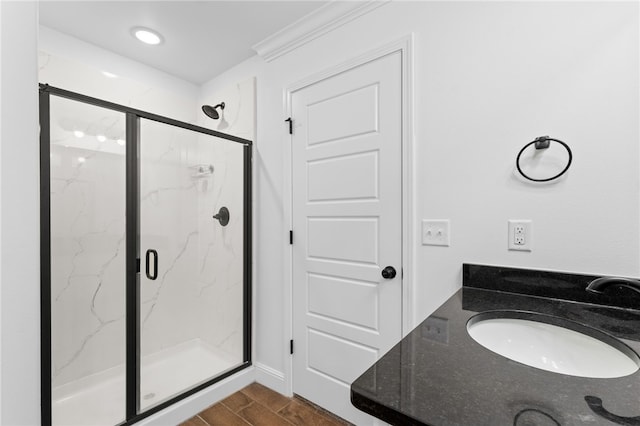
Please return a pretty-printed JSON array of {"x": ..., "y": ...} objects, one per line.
[
  {"x": 291, "y": 237},
  {"x": 290, "y": 121},
  {"x": 137, "y": 265},
  {"x": 291, "y": 346}
]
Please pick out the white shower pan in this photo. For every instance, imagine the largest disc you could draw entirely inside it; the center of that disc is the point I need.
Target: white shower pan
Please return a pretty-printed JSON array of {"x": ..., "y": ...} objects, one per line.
[{"x": 98, "y": 400}]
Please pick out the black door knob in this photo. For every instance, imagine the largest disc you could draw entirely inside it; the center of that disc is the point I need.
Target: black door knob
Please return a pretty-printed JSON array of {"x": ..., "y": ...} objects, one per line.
[{"x": 389, "y": 272}]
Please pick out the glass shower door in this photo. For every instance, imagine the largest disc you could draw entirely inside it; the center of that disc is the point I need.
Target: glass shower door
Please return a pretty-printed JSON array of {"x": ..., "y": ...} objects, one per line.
[{"x": 191, "y": 251}]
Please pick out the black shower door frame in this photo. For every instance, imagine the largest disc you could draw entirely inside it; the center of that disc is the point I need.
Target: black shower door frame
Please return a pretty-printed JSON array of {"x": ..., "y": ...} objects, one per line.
[{"x": 132, "y": 282}]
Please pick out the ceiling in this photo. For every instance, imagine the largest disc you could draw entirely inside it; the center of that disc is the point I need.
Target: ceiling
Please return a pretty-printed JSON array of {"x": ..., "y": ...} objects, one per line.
[{"x": 202, "y": 39}]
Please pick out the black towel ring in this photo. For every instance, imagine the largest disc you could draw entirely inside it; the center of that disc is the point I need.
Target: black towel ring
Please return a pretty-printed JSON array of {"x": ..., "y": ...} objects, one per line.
[{"x": 543, "y": 142}]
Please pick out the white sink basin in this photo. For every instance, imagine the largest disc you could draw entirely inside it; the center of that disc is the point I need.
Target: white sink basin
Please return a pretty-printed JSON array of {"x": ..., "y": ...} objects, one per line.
[{"x": 554, "y": 348}]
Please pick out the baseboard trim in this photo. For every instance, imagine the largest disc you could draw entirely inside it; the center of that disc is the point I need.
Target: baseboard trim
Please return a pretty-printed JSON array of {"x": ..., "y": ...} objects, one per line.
[{"x": 271, "y": 378}]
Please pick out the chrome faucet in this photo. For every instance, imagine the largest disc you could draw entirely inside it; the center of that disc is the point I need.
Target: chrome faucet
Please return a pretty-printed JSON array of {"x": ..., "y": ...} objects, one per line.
[{"x": 600, "y": 284}]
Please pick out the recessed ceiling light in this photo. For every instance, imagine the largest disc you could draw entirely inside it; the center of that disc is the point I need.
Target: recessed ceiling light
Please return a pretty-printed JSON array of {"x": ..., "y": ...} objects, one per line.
[
  {"x": 108, "y": 74},
  {"x": 146, "y": 35},
  {"x": 120, "y": 142},
  {"x": 78, "y": 133},
  {"x": 101, "y": 138},
  {"x": 81, "y": 159}
]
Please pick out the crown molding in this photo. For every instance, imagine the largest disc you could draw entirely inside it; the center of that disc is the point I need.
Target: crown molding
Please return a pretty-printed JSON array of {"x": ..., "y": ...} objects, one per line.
[{"x": 313, "y": 25}]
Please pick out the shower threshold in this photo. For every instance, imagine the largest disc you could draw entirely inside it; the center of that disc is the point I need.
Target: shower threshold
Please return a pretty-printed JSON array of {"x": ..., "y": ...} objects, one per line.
[{"x": 99, "y": 399}]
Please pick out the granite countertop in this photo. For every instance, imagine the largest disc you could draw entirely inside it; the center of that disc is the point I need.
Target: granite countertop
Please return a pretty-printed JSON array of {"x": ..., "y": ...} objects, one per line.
[{"x": 450, "y": 379}]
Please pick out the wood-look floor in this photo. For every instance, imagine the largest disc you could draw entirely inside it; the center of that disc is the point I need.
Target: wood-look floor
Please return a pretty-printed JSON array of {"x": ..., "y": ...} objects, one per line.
[{"x": 258, "y": 405}]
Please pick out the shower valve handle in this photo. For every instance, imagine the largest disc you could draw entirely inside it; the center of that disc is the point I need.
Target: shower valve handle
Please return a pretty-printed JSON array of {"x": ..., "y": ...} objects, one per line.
[{"x": 222, "y": 216}]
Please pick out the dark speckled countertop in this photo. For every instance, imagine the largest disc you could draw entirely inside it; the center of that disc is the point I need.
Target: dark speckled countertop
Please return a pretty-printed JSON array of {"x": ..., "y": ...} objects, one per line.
[{"x": 449, "y": 379}]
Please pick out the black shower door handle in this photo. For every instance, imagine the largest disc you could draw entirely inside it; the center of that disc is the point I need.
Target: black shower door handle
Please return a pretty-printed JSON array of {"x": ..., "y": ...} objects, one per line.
[{"x": 154, "y": 275}]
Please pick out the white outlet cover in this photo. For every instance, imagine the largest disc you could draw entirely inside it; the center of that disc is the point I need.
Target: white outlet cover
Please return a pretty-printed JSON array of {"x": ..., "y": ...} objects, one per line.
[
  {"x": 435, "y": 232},
  {"x": 527, "y": 226}
]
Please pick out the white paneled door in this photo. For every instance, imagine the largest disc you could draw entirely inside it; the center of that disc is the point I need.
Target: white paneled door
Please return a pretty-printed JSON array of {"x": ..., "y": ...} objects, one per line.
[{"x": 347, "y": 228}]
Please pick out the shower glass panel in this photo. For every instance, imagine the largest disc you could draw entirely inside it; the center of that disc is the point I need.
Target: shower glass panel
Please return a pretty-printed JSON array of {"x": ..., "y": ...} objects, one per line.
[
  {"x": 191, "y": 280},
  {"x": 87, "y": 208}
]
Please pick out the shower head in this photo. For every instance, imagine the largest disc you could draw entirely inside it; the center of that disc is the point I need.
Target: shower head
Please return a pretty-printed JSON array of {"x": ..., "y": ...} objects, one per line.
[{"x": 211, "y": 112}]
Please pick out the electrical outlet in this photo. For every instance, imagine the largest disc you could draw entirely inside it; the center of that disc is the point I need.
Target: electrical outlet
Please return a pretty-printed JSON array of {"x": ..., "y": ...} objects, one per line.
[
  {"x": 435, "y": 232},
  {"x": 520, "y": 235}
]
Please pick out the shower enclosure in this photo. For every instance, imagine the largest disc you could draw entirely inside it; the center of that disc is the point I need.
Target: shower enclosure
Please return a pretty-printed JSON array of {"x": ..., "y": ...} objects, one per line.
[{"x": 146, "y": 259}]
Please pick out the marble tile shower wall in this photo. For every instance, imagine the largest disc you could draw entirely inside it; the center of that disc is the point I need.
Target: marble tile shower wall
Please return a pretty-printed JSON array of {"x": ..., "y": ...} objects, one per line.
[
  {"x": 87, "y": 244},
  {"x": 168, "y": 224},
  {"x": 239, "y": 116},
  {"x": 221, "y": 271},
  {"x": 198, "y": 292},
  {"x": 220, "y": 260}
]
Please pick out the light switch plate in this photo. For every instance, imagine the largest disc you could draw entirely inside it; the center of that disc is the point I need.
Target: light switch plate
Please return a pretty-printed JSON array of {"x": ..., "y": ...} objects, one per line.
[{"x": 435, "y": 232}]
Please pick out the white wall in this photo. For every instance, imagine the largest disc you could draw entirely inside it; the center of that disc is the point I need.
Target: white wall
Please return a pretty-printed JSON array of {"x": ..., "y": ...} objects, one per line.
[
  {"x": 20, "y": 216},
  {"x": 489, "y": 77}
]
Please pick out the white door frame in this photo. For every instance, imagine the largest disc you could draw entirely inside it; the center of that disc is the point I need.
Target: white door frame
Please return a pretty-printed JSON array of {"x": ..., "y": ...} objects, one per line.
[{"x": 405, "y": 46}]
